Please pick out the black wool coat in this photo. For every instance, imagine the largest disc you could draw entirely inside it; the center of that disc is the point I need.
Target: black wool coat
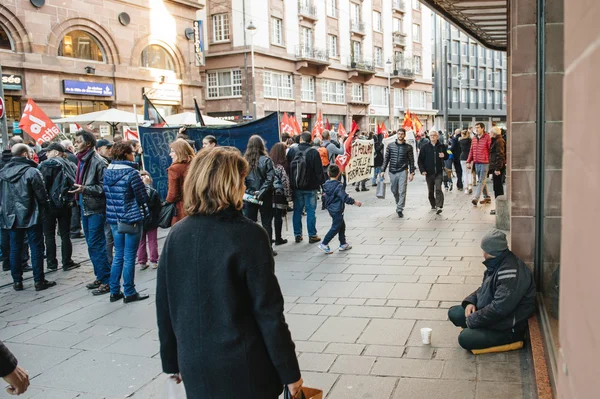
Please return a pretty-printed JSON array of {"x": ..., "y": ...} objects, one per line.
[{"x": 220, "y": 310}]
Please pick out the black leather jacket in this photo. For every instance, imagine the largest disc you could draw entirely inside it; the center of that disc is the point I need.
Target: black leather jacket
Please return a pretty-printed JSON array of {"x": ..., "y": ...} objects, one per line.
[
  {"x": 260, "y": 179},
  {"x": 94, "y": 200},
  {"x": 430, "y": 161},
  {"x": 23, "y": 196}
]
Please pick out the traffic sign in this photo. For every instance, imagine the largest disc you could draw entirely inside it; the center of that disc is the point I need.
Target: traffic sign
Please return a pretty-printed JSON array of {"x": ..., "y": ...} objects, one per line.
[{"x": 1, "y": 108}]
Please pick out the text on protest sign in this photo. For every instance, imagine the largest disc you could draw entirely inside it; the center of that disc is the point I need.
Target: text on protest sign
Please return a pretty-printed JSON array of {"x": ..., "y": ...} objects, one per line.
[{"x": 361, "y": 161}]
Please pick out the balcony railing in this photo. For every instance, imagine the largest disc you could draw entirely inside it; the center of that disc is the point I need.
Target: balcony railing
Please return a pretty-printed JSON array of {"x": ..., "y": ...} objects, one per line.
[
  {"x": 358, "y": 27},
  {"x": 398, "y": 5},
  {"x": 312, "y": 53},
  {"x": 399, "y": 38},
  {"x": 307, "y": 11},
  {"x": 361, "y": 64}
]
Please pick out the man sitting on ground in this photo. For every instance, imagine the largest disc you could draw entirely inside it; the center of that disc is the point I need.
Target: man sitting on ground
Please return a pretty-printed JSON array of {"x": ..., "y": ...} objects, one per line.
[{"x": 497, "y": 312}]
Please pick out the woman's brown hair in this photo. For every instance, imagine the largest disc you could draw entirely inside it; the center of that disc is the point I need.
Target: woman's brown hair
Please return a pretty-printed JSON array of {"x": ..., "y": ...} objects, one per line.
[
  {"x": 215, "y": 181},
  {"x": 183, "y": 151},
  {"x": 254, "y": 150},
  {"x": 119, "y": 151},
  {"x": 277, "y": 155}
]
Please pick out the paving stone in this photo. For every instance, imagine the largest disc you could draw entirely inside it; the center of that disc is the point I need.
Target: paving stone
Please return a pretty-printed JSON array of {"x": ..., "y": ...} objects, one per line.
[
  {"x": 428, "y": 304},
  {"x": 127, "y": 332},
  {"x": 96, "y": 343},
  {"x": 463, "y": 369},
  {"x": 448, "y": 292},
  {"x": 403, "y": 270},
  {"x": 303, "y": 326},
  {"x": 59, "y": 339},
  {"x": 404, "y": 303},
  {"x": 496, "y": 371},
  {"x": 326, "y": 301},
  {"x": 336, "y": 289},
  {"x": 316, "y": 361},
  {"x": 414, "y": 368},
  {"x": 39, "y": 359},
  {"x": 396, "y": 278},
  {"x": 57, "y": 325},
  {"x": 419, "y": 352},
  {"x": 368, "y": 311},
  {"x": 453, "y": 354},
  {"x": 372, "y": 290},
  {"x": 444, "y": 334},
  {"x": 432, "y": 271},
  {"x": 12, "y": 331},
  {"x": 134, "y": 347},
  {"x": 376, "y": 302},
  {"x": 299, "y": 287},
  {"x": 350, "y": 301},
  {"x": 427, "y": 279},
  {"x": 410, "y": 250},
  {"x": 384, "y": 350},
  {"x": 310, "y": 346},
  {"x": 493, "y": 357},
  {"x": 387, "y": 332},
  {"x": 340, "y": 329},
  {"x": 418, "y": 388},
  {"x": 344, "y": 349},
  {"x": 306, "y": 299},
  {"x": 331, "y": 310},
  {"x": 421, "y": 314},
  {"x": 362, "y": 387},
  {"x": 497, "y": 390},
  {"x": 410, "y": 291},
  {"x": 348, "y": 364},
  {"x": 322, "y": 381},
  {"x": 336, "y": 277},
  {"x": 27, "y": 335},
  {"x": 306, "y": 308},
  {"x": 362, "y": 277},
  {"x": 450, "y": 280}
]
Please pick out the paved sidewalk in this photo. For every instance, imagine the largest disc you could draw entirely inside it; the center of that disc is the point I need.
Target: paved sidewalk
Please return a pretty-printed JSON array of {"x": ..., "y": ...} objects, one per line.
[{"x": 355, "y": 316}]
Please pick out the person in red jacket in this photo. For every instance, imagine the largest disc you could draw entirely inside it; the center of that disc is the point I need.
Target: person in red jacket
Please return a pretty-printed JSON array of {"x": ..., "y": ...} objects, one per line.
[{"x": 479, "y": 158}]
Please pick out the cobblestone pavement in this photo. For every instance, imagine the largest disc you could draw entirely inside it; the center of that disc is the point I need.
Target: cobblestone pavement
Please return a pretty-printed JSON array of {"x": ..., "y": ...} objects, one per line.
[{"x": 355, "y": 316}]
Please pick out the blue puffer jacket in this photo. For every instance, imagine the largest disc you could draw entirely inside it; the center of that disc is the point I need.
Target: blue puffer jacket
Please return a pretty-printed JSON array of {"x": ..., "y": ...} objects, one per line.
[{"x": 126, "y": 197}]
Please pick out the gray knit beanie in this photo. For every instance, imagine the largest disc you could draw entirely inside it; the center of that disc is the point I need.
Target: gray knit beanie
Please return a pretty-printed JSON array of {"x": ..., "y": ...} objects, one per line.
[{"x": 494, "y": 242}]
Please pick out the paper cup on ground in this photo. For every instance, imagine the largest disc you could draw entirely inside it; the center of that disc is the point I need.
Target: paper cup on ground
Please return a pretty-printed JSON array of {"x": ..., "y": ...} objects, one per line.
[{"x": 426, "y": 335}]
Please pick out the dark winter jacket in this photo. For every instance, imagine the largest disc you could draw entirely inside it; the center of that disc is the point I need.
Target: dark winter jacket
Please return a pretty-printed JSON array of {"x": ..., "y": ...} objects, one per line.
[
  {"x": 42, "y": 155},
  {"x": 6, "y": 156},
  {"x": 465, "y": 148},
  {"x": 378, "y": 159},
  {"x": 71, "y": 157},
  {"x": 259, "y": 181},
  {"x": 497, "y": 155},
  {"x": 220, "y": 310},
  {"x": 455, "y": 147},
  {"x": 334, "y": 196},
  {"x": 316, "y": 176},
  {"x": 126, "y": 197},
  {"x": 23, "y": 197},
  {"x": 429, "y": 160},
  {"x": 480, "y": 149},
  {"x": 154, "y": 207},
  {"x": 506, "y": 297},
  {"x": 8, "y": 363},
  {"x": 422, "y": 142},
  {"x": 399, "y": 157},
  {"x": 53, "y": 169},
  {"x": 93, "y": 198}
]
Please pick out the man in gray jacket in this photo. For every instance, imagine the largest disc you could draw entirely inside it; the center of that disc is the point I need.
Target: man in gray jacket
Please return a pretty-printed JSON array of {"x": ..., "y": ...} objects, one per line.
[
  {"x": 332, "y": 149},
  {"x": 400, "y": 158},
  {"x": 497, "y": 312}
]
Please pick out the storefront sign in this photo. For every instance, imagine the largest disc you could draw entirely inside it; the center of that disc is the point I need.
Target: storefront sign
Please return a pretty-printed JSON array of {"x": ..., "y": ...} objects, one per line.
[
  {"x": 12, "y": 82},
  {"x": 199, "y": 42},
  {"x": 88, "y": 88},
  {"x": 361, "y": 161},
  {"x": 171, "y": 94},
  {"x": 16, "y": 128}
]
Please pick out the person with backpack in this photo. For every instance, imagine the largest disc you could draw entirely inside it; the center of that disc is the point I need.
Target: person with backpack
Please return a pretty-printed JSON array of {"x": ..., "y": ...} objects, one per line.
[
  {"x": 282, "y": 192},
  {"x": 333, "y": 150},
  {"x": 59, "y": 176},
  {"x": 150, "y": 226},
  {"x": 307, "y": 176}
]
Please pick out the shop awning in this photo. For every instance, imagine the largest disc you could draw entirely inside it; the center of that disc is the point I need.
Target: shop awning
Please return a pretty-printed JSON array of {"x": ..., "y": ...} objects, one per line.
[
  {"x": 189, "y": 118},
  {"x": 111, "y": 116},
  {"x": 484, "y": 20}
]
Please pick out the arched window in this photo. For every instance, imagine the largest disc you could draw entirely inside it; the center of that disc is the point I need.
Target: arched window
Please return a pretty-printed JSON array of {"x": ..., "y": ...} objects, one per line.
[
  {"x": 5, "y": 42},
  {"x": 82, "y": 45},
  {"x": 155, "y": 56}
]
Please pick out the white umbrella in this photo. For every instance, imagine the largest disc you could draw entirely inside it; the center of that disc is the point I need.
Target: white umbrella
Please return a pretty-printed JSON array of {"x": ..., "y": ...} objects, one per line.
[
  {"x": 112, "y": 116},
  {"x": 189, "y": 118}
]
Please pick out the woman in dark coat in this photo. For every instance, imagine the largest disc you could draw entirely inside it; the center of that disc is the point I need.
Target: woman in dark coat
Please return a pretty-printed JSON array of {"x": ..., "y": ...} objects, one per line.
[
  {"x": 465, "y": 149},
  {"x": 181, "y": 154},
  {"x": 282, "y": 192},
  {"x": 497, "y": 162},
  {"x": 219, "y": 306}
]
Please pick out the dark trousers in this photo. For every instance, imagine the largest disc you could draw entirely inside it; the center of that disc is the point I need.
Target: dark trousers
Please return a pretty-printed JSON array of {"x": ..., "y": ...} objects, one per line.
[
  {"x": 278, "y": 216},
  {"x": 481, "y": 338},
  {"x": 93, "y": 228},
  {"x": 266, "y": 213},
  {"x": 434, "y": 185},
  {"x": 338, "y": 227},
  {"x": 459, "y": 172},
  {"x": 110, "y": 242},
  {"x": 497, "y": 182},
  {"x": 5, "y": 250},
  {"x": 36, "y": 242},
  {"x": 75, "y": 220},
  {"x": 63, "y": 217}
]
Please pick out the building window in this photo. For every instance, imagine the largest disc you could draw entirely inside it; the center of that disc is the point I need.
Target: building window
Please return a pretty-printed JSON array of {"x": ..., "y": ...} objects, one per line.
[
  {"x": 377, "y": 21},
  {"x": 481, "y": 51},
  {"x": 157, "y": 57},
  {"x": 497, "y": 56},
  {"x": 497, "y": 77},
  {"x": 481, "y": 97},
  {"x": 398, "y": 98},
  {"x": 79, "y": 44},
  {"x": 473, "y": 50},
  {"x": 397, "y": 25},
  {"x": 357, "y": 92},
  {"x": 332, "y": 8},
  {"x": 503, "y": 97},
  {"x": 355, "y": 14},
  {"x": 417, "y": 99},
  {"x": 489, "y": 75},
  {"x": 498, "y": 99},
  {"x": 417, "y": 63},
  {"x": 378, "y": 96},
  {"x": 5, "y": 41},
  {"x": 416, "y": 4},
  {"x": 378, "y": 56},
  {"x": 398, "y": 60},
  {"x": 465, "y": 49},
  {"x": 504, "y": 75},
  {"x": 488, "y": 54},
  {"x": 481, "y": 76},
  {"x": 473, "y": 73},
  {"x": 454, "y": 71},
  {"x": 473, "y": 97},
  {"x": 490, "y": 97},
  {"x": 278, "y": 85},
  {"x": 356, "y": 50},
  {"x": 455, "y": 95},
  {"x": 464, "y": 71},
  {"x": 464, "y": 96},
  {"x": 308, "y": 88},
  {"x": 416, "y": 33},
  {"x": 224, "y": 84},
  {"x": 334, "y": 92},
  {"x": 276, "y": 31},
  {"x": 306, "y": 40},
  {"x": 220, "y": 27},
  {"x": 332, "y": 46},
  {"x": 455, "y": 47}
]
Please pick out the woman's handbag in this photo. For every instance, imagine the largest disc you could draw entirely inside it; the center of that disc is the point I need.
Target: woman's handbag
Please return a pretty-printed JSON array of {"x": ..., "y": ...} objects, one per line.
[
  {"x": 167, "y": 211},
  {"x": 128, "y": 228},
  {"x": 305, "y": 393},
  {"x": 381, "y": 186}
]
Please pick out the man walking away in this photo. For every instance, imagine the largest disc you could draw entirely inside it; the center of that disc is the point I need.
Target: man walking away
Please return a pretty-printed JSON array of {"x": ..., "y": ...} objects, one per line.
[
  {"x": 59, "y": 177},
  {"x": 497, "y": 162},
  {"x": 23, "y": 199},
  {"x": 400, "y": 158},
  {"x": 306, "y": 177},
  {"x": 479, "y": 158},
  {"x": 89, "y": 191},
  {"x": 431, "y": 165},
  {"x": 456, "y": 152},
  {"x": 378, "y": 158}
]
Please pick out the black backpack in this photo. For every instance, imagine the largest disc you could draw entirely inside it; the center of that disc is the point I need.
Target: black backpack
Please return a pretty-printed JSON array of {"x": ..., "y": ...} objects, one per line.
[
  {"x": 299, "y": 169},
  {"x": 63, "y": 182}
]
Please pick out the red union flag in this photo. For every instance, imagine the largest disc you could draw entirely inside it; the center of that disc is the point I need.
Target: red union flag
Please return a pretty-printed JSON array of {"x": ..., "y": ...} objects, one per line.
[
  {"x": 343, "y": 160},
  {"x": 37, "y": 124},
  {"x": 318, "y": 128},
  {"x": 286, "y": 126}
]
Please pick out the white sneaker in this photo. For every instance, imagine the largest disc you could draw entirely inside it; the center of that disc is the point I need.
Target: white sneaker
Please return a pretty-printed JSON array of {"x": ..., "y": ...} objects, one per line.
[
  {"x": 345, "y": 247},
  {"x": 143, "y": 266},
  {"x": 325, "y": 248},
  {"x": 154, "y": 265}
]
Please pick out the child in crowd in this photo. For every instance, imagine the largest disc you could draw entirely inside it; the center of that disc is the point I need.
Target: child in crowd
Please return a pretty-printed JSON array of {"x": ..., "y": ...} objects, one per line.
[
  {"x": 150, "y": 231},
  {"x": 335, "y": 200}
]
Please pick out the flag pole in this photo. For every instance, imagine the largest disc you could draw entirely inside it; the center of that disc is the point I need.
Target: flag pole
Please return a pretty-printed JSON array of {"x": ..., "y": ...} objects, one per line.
[{"x": 137, "y": 127}]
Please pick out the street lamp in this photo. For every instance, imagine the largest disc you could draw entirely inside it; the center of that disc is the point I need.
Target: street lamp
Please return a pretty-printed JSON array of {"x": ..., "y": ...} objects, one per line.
[
  {"x": 388, "y": 63},
  {"x": 460, "y": 78},
  {"x": 252, "y": 29}
]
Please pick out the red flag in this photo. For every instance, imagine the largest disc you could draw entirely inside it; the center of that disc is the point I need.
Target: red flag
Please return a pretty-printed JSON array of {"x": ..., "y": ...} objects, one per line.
[
  {"x": 327, "y": 125},
  {"x": 37, "y": 124},
  {"x": 129, "y": 134},
  {"x": 417, "y": 125},
  {"x": 343, "y": 160},
  {"x": 317, "y": 130},
  {"x": 341, "y": 131},
  {"x": 286, "y": 126},
  {"x": 354, "y": 127},
  {"x": 407, "y": 122},
  {"x": 295, "y": 125}
]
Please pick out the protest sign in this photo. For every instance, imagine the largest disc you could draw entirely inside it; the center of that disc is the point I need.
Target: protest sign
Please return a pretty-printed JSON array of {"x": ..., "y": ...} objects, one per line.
[{"x": 361, "y": 161}]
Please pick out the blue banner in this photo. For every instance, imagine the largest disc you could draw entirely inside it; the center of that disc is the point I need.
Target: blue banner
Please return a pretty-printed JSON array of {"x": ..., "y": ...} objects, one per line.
[
  {"x": 156, "y": 141},
  {"x": 88, "y": 88}
]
